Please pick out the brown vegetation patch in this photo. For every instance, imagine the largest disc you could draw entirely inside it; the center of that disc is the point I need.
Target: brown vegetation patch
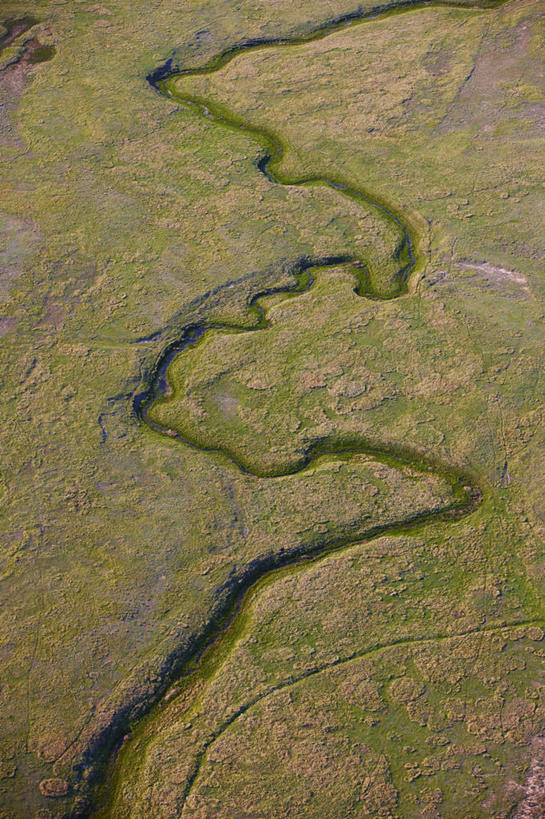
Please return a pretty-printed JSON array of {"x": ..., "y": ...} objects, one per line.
[{"x": 54, "y": 788}]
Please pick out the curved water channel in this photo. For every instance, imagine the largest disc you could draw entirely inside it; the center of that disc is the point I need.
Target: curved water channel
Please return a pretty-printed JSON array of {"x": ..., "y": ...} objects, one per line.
[{"x": 213, "y": 646}]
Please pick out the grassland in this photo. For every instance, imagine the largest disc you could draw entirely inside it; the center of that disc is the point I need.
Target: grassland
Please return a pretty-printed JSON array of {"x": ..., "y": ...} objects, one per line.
[{"x": 128, "y": 218}]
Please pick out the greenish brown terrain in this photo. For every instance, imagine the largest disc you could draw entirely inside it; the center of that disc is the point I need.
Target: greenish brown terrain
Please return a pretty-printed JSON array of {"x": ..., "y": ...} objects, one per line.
[{"x": 392, "y": 429}]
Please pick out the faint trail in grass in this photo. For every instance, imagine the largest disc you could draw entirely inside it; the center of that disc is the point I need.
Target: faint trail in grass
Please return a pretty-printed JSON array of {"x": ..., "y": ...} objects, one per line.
[{"x": 412, "y": 641}]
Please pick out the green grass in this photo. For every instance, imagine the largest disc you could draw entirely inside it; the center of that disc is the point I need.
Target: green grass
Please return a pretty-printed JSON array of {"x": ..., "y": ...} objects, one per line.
[{"x": 127, "y": 215}]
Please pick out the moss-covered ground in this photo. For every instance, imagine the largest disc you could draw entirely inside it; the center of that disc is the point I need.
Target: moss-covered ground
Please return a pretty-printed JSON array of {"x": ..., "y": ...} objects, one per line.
[{"x": 402, "y": 676}]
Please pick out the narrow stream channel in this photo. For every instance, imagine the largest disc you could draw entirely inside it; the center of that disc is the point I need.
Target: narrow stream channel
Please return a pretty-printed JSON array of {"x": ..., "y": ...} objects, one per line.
[{"x": 213, "y": 646}]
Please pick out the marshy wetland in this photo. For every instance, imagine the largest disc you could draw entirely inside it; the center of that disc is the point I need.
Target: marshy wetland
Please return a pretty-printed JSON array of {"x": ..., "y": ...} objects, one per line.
[{"x": 273, "y": 498}]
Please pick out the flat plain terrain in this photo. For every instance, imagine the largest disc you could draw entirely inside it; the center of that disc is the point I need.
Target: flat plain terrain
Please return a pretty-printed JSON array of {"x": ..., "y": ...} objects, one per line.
[{"x": 364, "y": 385}]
